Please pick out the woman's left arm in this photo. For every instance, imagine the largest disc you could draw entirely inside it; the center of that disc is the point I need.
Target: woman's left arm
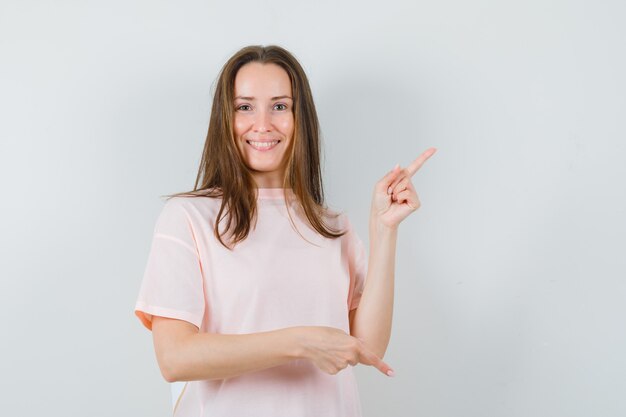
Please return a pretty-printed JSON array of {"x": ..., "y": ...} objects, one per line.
[{"x": 393, "y": 200}]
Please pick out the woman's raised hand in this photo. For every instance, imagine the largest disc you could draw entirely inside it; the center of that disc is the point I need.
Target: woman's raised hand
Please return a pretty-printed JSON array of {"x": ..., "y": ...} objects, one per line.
[
  {"x": 394, "y": 196},
  {"x": 332, "y": 349}
]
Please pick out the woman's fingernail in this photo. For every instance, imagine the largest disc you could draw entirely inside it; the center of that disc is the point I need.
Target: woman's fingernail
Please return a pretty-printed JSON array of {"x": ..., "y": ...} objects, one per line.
[
  {"x": 396, "y": 167},
  {"x": 391, "y": 372},
  {"x": 389, "y": 190}
]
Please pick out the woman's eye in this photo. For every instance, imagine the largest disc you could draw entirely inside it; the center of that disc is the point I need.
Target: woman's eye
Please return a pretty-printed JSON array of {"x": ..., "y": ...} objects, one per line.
[
  {"x": 284, "y": 106},
  {"x": 243, "y": 105}
]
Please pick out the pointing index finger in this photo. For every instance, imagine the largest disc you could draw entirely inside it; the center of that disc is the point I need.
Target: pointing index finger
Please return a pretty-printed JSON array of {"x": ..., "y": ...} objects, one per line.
[
  {"x": 372, "y": 359},
  {"x": 417, "y": 163}
]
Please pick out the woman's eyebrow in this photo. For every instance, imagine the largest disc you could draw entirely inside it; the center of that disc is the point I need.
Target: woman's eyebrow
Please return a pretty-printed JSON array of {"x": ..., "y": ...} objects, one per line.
[{"x": 273, "y": 98}]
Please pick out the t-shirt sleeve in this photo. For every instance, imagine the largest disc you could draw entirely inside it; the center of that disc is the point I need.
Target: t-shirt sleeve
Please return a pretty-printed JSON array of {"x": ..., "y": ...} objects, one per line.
[
  {"x": 357, "y": 264},
  {"x": 173, "y": 284}
]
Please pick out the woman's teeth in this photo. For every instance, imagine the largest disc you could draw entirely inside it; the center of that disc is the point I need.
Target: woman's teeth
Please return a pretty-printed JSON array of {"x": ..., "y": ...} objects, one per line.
[{"x": 263, "y": 146}]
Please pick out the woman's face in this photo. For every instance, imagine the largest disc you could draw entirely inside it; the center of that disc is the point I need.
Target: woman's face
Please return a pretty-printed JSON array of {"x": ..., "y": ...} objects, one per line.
[{"x": 263, "y": 121}]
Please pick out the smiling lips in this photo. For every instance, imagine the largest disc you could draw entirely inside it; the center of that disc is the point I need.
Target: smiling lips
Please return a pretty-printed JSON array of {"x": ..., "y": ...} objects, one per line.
[{"x": 263, "y": 145}]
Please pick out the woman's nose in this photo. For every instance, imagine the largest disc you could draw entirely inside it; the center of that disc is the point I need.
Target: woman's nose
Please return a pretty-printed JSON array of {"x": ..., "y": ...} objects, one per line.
[{"x": 262, "y": 121}]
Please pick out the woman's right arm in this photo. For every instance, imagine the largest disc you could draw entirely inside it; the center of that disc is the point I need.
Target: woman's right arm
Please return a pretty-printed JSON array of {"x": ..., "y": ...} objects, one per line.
[{"x": 185, "y": 354}]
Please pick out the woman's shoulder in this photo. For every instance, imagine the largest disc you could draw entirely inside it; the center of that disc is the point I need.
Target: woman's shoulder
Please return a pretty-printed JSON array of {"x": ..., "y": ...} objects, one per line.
[
  {"x": 194, "y": 197},
  {"x": 193, "y": 208},
  {"x": 338, "y": 219},
  {"x": 186, "y": 203}
]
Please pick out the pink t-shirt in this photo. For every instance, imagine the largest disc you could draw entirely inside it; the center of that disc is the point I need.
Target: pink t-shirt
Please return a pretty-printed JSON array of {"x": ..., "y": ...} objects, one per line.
[{"x": 271, "y": 280}]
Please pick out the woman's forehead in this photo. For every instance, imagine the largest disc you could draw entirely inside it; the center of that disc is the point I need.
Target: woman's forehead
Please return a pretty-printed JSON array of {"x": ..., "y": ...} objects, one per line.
[{"x": 262, "y": 81}]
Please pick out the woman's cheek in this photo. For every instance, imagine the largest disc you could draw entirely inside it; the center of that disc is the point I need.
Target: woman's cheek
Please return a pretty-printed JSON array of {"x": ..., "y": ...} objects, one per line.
[
  {"x": 239, "y": 125},
  {"x": 286, "y": 124}
]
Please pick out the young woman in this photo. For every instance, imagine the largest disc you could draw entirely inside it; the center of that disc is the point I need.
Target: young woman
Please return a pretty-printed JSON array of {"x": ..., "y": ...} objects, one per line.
[{"x": 257, "y": 294}]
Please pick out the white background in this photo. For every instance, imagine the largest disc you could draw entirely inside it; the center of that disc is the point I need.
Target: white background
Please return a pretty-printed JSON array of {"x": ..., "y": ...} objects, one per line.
[{"x": 510, "y": 279}]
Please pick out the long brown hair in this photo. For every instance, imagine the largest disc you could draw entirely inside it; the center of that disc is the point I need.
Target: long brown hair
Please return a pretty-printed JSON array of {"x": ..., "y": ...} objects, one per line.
[{"x": 222, "y": 171}]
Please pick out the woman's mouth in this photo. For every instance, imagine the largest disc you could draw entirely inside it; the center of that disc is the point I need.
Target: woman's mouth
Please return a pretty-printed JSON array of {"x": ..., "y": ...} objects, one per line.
[{"x": 263, "y": 146}]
